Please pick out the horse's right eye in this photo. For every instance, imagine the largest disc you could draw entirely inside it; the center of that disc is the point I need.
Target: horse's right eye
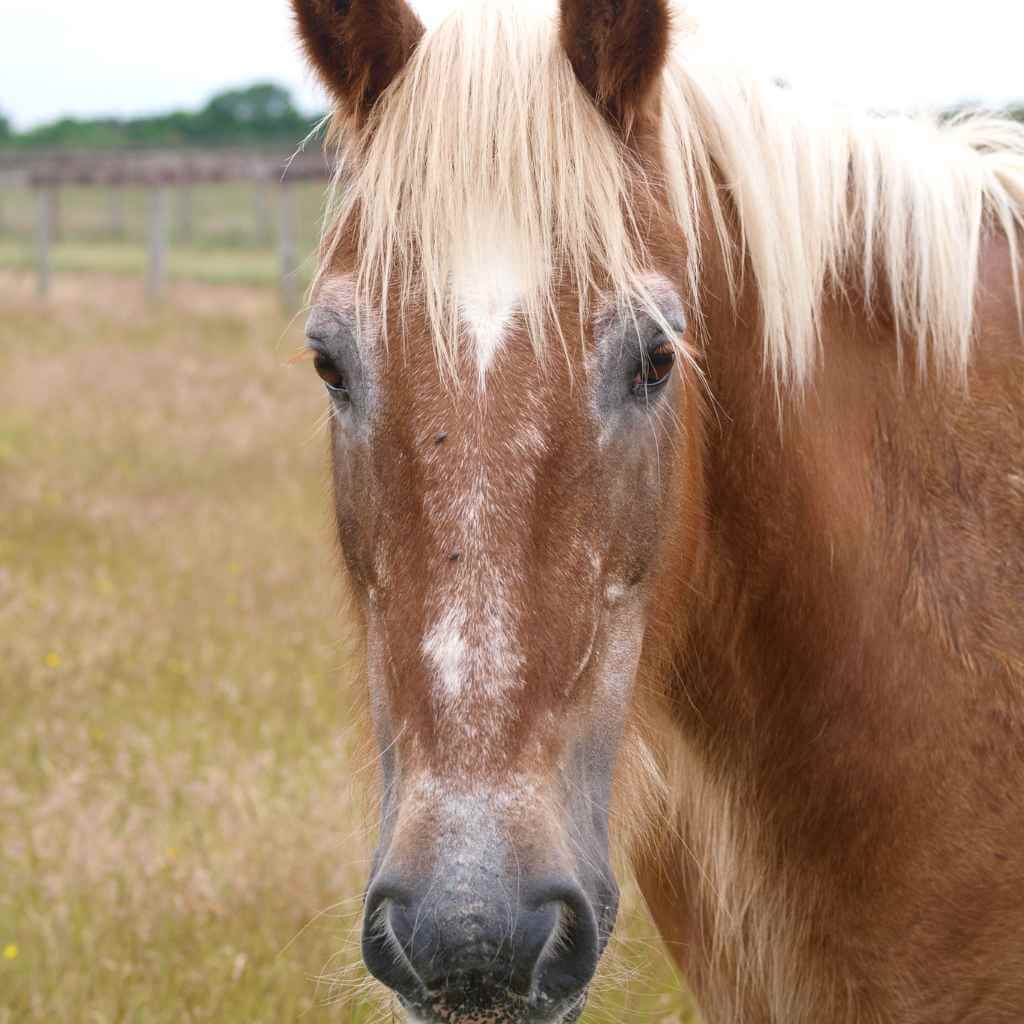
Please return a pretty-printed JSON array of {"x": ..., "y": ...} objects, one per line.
[{"x": 329, "y": 373}]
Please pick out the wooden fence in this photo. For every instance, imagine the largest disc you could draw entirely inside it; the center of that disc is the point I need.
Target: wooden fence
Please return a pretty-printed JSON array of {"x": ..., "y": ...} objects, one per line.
[{"x": 166, "y": 177}]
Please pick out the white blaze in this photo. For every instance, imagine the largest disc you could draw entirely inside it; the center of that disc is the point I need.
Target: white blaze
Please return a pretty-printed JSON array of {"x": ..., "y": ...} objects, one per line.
[
  {"x": 470, "y": 646},
  {"x": 444, "y": 648},
  {"x": 489, "y": 284}
]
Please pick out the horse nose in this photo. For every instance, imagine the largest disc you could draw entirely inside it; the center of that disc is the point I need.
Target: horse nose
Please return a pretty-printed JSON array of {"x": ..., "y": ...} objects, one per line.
[{"x": 477, "y": 947}]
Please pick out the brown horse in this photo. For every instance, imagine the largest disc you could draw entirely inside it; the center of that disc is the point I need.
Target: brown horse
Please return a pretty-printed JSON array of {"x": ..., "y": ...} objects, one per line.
[{"x": 678, "y": 453}]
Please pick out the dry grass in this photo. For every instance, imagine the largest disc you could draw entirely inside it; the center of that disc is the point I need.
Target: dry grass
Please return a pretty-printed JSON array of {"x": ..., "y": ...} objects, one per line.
[{"x": 179, "y": 837}]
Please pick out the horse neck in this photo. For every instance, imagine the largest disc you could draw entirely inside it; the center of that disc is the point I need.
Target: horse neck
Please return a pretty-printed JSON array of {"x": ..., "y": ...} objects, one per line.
[
  {"x": 784, "y": 506},
  {"x": 810, "y": 510}
]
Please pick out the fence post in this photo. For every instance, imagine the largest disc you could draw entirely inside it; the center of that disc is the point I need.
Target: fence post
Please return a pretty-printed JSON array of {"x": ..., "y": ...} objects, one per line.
[
  {"x": 56, "y": 215},
  {"x": 157, "y": 241},
  {"x": 116, "y": 208},
  {"x": 184, "y": 233},
  {"x": 286, "y": 245},
  {"x": 44, "y": 233}
]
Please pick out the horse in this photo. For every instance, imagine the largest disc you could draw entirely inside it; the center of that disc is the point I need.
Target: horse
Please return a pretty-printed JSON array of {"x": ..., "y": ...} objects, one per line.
[{"x": 677, "y": 445}]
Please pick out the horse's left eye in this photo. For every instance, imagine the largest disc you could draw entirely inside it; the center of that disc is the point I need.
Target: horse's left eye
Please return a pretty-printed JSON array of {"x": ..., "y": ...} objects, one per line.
[
  {"x": 329, "y": 373},
  {"x": 655, "y": 369}
]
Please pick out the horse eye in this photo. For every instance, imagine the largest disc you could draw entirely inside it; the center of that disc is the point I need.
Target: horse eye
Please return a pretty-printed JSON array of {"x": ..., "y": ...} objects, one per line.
[
  {"x": 655, "y": 369},
  {"x": 329, "y": 373}
]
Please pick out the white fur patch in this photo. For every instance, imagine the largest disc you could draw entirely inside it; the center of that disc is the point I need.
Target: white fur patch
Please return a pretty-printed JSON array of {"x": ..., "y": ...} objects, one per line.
[
  {"x": 472, "y": 645},
  {"x": 489, "y": 285},
  {"x": 444, "y": 648},
  {"x": 473, "y": 650},
  {"x": 487, "y": 306}
]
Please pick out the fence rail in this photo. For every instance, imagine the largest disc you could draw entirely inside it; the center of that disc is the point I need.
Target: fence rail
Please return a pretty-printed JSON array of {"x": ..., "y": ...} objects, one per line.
[{"x": 170, "y": 180}]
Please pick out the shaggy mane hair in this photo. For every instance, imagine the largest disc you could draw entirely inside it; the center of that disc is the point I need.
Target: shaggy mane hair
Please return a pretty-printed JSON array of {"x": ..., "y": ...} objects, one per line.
[{"x": 486, "y": 138}]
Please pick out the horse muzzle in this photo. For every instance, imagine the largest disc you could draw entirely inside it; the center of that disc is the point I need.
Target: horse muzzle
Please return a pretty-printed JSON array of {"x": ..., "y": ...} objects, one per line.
[{"x": 475, "y": 944}]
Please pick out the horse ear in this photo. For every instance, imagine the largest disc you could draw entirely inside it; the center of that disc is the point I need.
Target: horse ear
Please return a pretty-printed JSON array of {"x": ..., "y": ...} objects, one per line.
[
  {"x": 357, "y": 47},
  {"x": 618, "y": 50}
]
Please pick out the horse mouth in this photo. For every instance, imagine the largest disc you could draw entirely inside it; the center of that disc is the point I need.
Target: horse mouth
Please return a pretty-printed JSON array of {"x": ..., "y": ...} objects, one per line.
[{"x": 514, "y": 1011}]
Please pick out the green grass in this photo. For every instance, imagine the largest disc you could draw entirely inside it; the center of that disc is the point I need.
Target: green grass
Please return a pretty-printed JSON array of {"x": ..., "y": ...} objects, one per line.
[{"x": 180, "y": 837}]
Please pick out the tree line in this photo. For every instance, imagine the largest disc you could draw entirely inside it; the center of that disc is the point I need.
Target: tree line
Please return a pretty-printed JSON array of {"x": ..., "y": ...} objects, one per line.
[{"x": 256, "y": 115}]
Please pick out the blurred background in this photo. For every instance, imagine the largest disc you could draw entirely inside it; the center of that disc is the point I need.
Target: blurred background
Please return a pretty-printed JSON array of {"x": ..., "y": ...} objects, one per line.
[{"x": 182, "y": 831}]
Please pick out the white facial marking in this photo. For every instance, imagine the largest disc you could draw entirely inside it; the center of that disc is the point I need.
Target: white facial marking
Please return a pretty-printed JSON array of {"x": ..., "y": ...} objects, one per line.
[
  {"x": 487, "y": 313},
  {"x": 471, "y": 646},
  {"x": 444, "y": 648},
  {"x": 489, "y": 285}
]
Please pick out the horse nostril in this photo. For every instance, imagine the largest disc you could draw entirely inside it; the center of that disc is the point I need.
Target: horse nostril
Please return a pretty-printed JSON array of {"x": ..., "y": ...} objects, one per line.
[
  {"x": 569, "y": 957},
  {"x": 386, "y": 939}
]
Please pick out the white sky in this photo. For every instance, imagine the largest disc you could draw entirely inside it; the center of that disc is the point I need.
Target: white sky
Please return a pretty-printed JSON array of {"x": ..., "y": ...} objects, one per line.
[{"x": 127, "y": 57}]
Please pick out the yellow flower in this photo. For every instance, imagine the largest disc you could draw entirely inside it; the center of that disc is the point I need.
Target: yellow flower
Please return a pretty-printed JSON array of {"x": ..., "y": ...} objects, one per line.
[
  {"x": 10, "y": 951},
  {"x": 52, "y": 660}
]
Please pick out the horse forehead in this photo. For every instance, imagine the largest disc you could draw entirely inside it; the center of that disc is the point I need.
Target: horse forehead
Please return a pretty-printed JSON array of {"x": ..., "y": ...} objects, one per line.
[{"x": 489, "y": 292}]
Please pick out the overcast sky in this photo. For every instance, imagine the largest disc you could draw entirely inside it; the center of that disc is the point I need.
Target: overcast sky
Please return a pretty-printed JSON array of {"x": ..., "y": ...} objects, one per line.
[{"x": 127, "y": 57}]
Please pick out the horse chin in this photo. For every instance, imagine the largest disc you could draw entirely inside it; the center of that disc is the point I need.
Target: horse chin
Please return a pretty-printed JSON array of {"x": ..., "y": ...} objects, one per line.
[{"x": 513, "y": 1013}]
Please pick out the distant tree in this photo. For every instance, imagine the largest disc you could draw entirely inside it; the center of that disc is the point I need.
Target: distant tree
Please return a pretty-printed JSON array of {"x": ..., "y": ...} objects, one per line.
[
  {"x": 261, "y": 104},
  {"x": 260, "y": 114},
  {"x": 5, "y": 128},
  {"x": 1015, "y": 111}
]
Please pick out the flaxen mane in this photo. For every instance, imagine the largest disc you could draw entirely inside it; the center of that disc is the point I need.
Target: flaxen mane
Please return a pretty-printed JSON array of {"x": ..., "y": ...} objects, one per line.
[{"x": 486, "y": 136}]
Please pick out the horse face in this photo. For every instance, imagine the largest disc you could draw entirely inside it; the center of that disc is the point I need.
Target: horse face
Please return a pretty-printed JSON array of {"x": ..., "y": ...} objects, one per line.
[
  {"x": 503, "y": 515},
  {"x": 500, "y": 532}
]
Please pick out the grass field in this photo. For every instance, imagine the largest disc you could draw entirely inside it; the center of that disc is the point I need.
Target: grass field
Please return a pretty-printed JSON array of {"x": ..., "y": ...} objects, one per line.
[
  {"x": 228, "y": 215},
  {"x": 224, "y": 234},
  {"x": 180, "y": 836}
]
